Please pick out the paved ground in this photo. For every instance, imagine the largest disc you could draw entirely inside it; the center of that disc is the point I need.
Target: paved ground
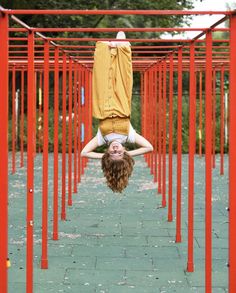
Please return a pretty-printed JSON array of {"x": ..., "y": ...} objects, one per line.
[{"x": 119, "y": 243}]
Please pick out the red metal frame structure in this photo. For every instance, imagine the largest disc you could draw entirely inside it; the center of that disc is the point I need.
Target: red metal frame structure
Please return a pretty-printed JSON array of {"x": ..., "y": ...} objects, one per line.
[{"x": 155, "y": 63}]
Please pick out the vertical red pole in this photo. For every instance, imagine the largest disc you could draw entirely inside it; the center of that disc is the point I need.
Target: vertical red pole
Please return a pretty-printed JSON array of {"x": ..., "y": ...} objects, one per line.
[
  {"x": 35, "y": 107},
  {"x": 192, "y": 145},
  {"x": 232, "y": 158},
  {"x": 222, "y": 118},
  {"x": 44, "y": 257},
  {"x": 213, "y": 118},
  {"x": 55, "y": 163},
  {"x": 170, "y": 169},
  {"x": 70, "y": 136},
  {"x": 40, "y": 129},
  {"x": 22, "y": 118},
  {"x": 83, "y": 117},
  {"x": 13, "y": 119},
  {"x": 79, "y": 122},
  {"x": 30, "y": 165},
  {"x": 164, "y": 137},
  {"x": 200, "y": 114},
  {"x": 179, "y": 147},
  {"x": 75, "y": 124},
  {"x": 155, "y": 123},
  {"x": 63, "y": 197},
  {"x": 4, "y": 152},
  {"x": 208, "y": 165},
  {"x": 144, "y": 108},
  {"x": 151, "y": 117},
  {"x": 159, "y": 127}
]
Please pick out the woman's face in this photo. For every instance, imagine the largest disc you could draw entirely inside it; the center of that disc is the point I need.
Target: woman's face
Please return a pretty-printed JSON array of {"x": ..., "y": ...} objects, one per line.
[{"x": 116, "y": 150}]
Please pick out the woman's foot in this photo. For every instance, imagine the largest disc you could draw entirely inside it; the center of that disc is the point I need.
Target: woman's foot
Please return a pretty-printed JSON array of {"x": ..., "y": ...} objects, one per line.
[{"x": 120, "y": 36}]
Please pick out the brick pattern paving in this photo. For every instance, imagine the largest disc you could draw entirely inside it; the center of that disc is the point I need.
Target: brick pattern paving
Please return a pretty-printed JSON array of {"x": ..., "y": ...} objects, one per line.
[{"x": 119, "y": 243}]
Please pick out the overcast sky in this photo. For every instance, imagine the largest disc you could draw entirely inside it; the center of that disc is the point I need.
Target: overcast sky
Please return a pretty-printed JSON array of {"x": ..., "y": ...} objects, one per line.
[{"x": 208, "y": 20}]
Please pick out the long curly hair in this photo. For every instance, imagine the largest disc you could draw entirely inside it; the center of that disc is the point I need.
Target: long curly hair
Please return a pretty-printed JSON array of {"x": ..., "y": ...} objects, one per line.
[{"x": 117, "y": 172}]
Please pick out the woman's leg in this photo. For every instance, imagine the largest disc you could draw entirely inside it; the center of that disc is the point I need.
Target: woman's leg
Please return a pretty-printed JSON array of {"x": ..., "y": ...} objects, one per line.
[
  {"x": 112, "y": 80},
  {"x": 102, "y": 60}
]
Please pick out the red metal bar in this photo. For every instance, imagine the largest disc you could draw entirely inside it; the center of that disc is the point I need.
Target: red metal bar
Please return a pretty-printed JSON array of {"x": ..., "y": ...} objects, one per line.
[
  {"x": 115, "y": 12},
  {"x": 159, "y": 127},
  {"x": 232, "y": 158},
  {"x": 44, "y": 257},
  {"x": 208, "y": 164},
  {"x": 4, "y": 152},
  {"x": 30, "y": 166},
  {"x": 108, "y": 39},
  {"x": 179, "y": 148},
  {"x": 192, "y": 144},
  {"x": 13, "y": 120},
  {"x": 164, "y": 136},
  {"x": 200, "y": 115},
  {"x": 35, "y": 106},
  {"x": 79, "y": 122},
  {"x": 75, "y": 69},
  {"x": 170, "y": 169},
  {"x": 70, "y": 136},
  {"x": 213, "y": 118},
  {"x": 22, "y": 118},
  {"x": 149, "y": 117},
  {"x": 55, "y": 140},
  {"x": 115, "y": 29},
  {"x": 40, "y": 126},
  {"x": 63, "y": 197},
  {"x": 145, "y": 109},
  {"x": 155, "y": 123},
  {"x": 222, "y": 119}
]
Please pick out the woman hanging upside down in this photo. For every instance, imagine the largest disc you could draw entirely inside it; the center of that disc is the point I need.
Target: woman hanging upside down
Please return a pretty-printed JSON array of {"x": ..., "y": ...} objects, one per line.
[{"x": 112, "y": 92}]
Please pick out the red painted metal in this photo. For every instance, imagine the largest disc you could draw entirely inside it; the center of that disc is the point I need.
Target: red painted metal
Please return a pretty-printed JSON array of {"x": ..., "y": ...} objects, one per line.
[
  {"x": 44, "y": 257},
  {"x": 179, "y": 148},
  {"x": 22, "y": 118},
  {"x": 200, "y": 116},
  {"x": 4, "y": 152},
  {"x": 208, "y": 164},
  {"x": 55, "y": 140},
  {"x": 155, "y": 101},
  {"x": 213, "y": 118},
  {"x": 30, "y": 166},
  {"x": 13, "y": 120},
  {"x": 232, "y": 158},
  {"x": 115, "y": 12},
  {"x": 159, "y": 128},
  {"x": 64, "y": 81},
  {"x": 222, "y": 119},
  {"x": 164, "y": 136},
  {"x": 170, "y": 168},
  {"x": 70, "y": 136},
  {"x": 192, "y": 144},
  {"x": 79, "y": 122},
  {"x": 147, "y": 66},
  {"x": 40, "y": 122},
  {"x": 116, "y": 29},
  {"x": 75, "y": 133}
]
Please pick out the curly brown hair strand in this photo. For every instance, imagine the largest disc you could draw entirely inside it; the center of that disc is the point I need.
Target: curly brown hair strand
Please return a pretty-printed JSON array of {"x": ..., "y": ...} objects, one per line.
[{"x": 117, "y": 172}]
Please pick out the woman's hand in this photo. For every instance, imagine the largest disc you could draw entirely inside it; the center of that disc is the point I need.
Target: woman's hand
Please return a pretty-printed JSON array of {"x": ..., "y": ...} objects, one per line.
[
  {"x": 145, "y": 146},
  {"x": 87, "y": 151}
]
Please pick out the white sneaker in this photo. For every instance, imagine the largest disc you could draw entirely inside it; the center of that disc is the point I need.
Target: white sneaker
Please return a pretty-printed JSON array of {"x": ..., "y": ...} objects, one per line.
[{"x": 120, "y": 36}]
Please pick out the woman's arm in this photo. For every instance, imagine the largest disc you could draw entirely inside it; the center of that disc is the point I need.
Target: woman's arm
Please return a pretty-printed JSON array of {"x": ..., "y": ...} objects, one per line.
[
  {"x": 87, "y": 151},
  {"x": 145, "y": 146}
]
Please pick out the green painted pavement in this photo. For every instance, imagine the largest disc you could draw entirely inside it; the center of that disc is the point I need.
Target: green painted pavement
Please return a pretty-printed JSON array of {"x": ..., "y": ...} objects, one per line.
[{"x": 118, "y": 243}]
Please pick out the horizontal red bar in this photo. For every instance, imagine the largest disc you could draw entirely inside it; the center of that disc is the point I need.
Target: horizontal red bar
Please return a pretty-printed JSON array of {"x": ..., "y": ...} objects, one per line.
[
  {"x": 115, "y": 12},
  {"x": 156, "y": 29}
]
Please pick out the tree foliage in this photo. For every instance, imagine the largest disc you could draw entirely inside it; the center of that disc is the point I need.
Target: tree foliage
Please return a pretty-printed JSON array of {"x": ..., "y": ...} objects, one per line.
[{"x": 101, "y": 20}]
